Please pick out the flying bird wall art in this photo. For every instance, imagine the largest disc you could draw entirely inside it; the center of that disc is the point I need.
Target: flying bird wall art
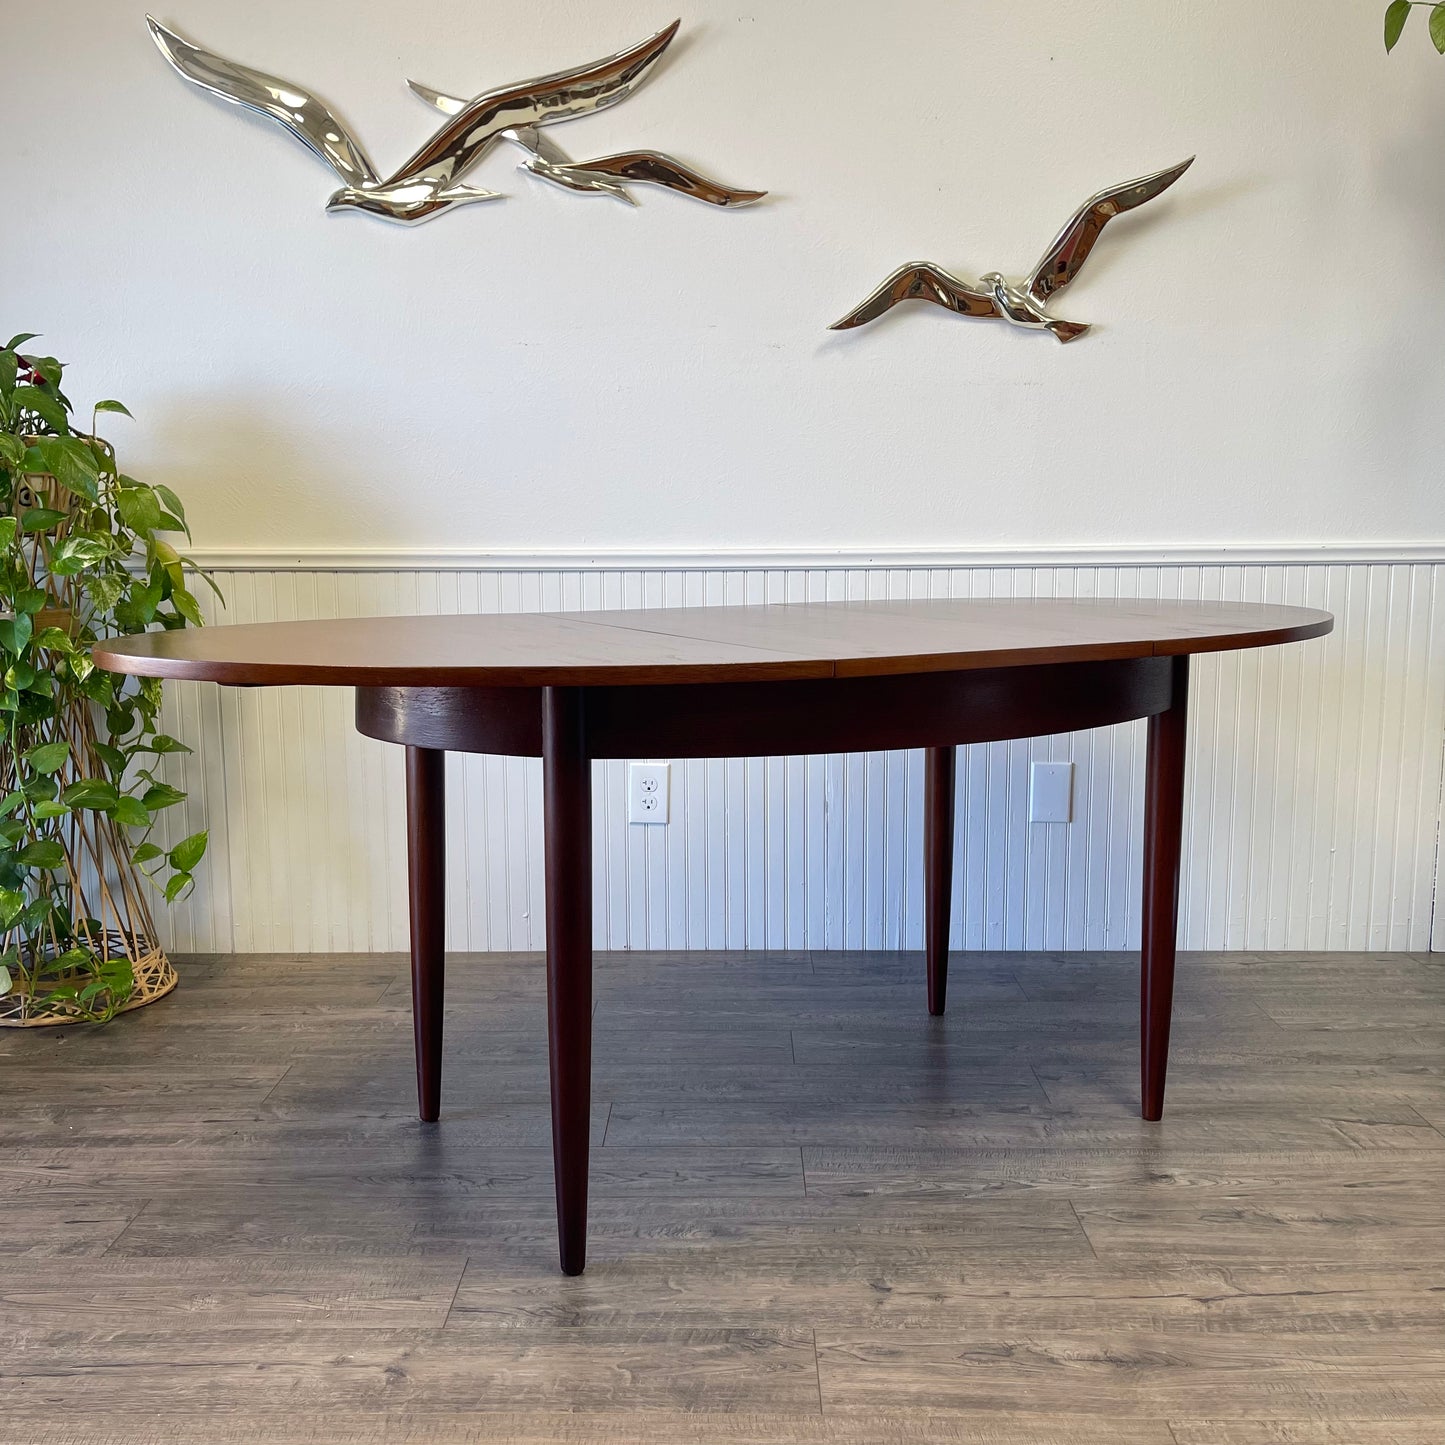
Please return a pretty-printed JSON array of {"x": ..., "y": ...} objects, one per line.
[
  {"x": 1020, "y": 303},
  {"x": 605, "y": 175},
  {"x": 431, "y": 181}
]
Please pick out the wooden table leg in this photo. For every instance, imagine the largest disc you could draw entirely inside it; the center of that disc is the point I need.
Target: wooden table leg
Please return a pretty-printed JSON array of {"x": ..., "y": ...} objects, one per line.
[
  {"x": 426, "y": 824},
  {"x": 1163, "y": 835},
  {"x": 567, "y": 806},
  {"x": 939, "y": 771}
]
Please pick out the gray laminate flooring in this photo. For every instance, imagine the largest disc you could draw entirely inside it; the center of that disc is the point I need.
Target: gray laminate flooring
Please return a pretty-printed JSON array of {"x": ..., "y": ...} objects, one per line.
[{"x": 818, "y": 1215}]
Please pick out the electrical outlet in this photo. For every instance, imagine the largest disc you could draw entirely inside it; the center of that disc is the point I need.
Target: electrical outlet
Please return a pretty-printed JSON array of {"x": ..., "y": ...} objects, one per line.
[
  {"x": 648, "y": 792},
  {"x": 1051, "y": 793}
]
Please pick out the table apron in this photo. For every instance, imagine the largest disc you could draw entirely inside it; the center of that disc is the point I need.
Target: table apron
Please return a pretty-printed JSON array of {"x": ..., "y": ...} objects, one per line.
[{"x": 768, "y": 719}]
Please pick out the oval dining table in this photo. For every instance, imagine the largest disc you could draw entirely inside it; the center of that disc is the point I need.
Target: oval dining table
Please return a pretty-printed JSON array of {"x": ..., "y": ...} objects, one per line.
[{"x": 740, "y": 681}]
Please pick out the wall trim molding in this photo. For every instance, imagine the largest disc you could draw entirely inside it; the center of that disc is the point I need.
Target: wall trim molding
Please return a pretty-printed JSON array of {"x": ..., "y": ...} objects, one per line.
[{"x": 467, "y": 559}]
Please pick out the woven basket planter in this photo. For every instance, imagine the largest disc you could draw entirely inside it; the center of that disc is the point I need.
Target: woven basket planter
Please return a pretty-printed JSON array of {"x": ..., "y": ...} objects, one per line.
[{"x": 155, "y": 977}]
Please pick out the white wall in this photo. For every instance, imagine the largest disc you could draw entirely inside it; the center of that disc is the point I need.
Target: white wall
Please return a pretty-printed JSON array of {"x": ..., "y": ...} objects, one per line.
[
  {"x": 556, "y": 371},
  {"x": 554, "y": 374}
]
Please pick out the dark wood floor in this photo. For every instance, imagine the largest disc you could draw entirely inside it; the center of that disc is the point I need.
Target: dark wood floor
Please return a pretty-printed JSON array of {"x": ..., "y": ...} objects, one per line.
[{"x": 818, "y": 1214}]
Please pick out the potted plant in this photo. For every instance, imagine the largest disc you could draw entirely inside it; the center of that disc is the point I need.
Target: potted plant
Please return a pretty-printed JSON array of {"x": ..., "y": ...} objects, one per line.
[{"x": 82, "y": 556}]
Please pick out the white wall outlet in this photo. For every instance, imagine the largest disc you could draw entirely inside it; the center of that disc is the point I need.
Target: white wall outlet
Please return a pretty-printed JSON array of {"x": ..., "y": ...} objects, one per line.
[
  {"x": 1051, "y": 793},
  {"x": 648, "y": 792}
]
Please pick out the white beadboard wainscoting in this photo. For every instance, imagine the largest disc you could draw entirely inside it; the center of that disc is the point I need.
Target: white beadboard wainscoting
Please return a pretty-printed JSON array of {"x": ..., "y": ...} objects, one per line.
[{"x": 1313, "y": 809}]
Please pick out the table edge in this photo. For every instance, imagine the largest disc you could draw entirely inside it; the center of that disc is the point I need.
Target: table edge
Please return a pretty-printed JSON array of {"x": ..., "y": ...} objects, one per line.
[{"x": 283, "y": 674}]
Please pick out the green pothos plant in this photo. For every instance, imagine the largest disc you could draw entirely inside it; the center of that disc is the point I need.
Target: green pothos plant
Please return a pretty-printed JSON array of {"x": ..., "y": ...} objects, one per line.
[
  {"x": 83, "y": 556},
  {"x": 1398, "y": 12}
]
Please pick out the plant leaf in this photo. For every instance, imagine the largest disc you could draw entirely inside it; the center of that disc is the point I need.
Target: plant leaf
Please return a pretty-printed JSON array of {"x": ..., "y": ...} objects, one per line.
[
  {"x": 164, "y": 743},
  {"x": 41, "y": 785},
  {"x": 15, "y": 632},
  {"x": 10, "y": 905},
  {"x": 161, "y": 795},
  {"x": 47, "y": 757},
  {"x": 48, "y": 367},
  {"x": 176, "y": 883},
  {"x": 95, "y": 793},
  {"x": 139, "y": 509},
  {"x": 76, "y": 553},
  {"x": 71, "y": 463},
  {"x": 118, "y": 973},
  {"x": 131, "y": 813},
  {"x": 40, "y": 519},
  {"x": 8, "y": 528},
  {"x": 145, "y": 853},
  {"x": 187, "y": 606},
  {"x": 114, "y": 406},
  {"x": 173, "y": 502},
  {"x": 105, "y": 589},
  {"x": 1437, "y": 27},
  {"x": 206, "y": 578},
  {"x": 42, "y": 853},
  {"x": 20, "y": 339},
  {"x": 1396, "y": 14},
  {"x": 42, "y": 404},
  {"x": 188, "y": 852},
  {"x": 112, "y": 756}
]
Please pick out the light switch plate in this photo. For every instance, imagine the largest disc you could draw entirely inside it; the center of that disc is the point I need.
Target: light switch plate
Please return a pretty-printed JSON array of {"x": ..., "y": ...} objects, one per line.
[{"x": 1051, "y": 793}]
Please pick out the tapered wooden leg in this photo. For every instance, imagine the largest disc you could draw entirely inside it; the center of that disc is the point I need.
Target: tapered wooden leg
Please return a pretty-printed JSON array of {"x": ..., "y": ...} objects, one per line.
[
  {"x": 567, "y": 805},
  {"x": 1163, "y": 833},
  {"x": 939, "y": 771},
  {"x": 426, "y": 873}
]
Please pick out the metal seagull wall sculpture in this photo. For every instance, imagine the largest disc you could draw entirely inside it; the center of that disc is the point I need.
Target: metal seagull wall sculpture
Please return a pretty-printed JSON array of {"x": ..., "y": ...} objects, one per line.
[
  {"x": 1019, "y": 303},
  {"x": 604, "y": 176},
  {"x": 431, "y": 181}
]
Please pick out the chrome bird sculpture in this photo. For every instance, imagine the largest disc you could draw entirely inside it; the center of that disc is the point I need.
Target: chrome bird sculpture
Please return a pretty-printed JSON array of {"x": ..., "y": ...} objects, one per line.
[
  {"x": 605, "y": 175},
  {"x": 431, "y": 181},
  {"x": 1019, "y": 303}
]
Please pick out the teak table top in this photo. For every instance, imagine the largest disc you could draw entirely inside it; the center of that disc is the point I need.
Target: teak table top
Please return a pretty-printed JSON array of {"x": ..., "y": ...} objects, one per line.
[{"x": 705, "y": 644}]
